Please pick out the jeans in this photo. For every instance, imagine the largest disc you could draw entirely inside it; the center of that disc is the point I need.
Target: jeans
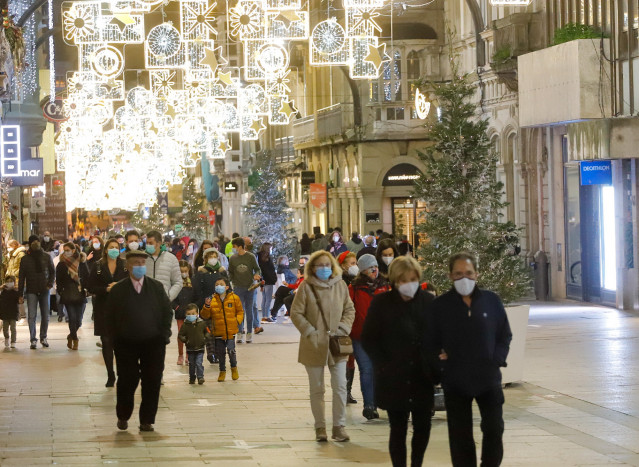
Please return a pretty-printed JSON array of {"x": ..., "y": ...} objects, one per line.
[
  {"x": 338, "y": 385},
  {"x": 62, "y": 310},
  {"x": 6, "y": 324},
  {"x": 221, "y": 348},
  {"x": 246, "y": 297},
  {"x": 256, "y": 315},
  {"x": 398, "y": 429},
  {"x": 365, "y": 373},
  {"x": 459, "y": 411},
  {"x": 195, "y": 363},
  {"x": 267, "y": 297},
  {"x": 74, "y": 311},
  {"x": 33, "y": 299}
]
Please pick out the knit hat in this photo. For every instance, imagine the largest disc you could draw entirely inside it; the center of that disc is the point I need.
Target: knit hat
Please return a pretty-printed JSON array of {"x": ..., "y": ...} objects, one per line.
[
  {"x": 366, "y": 261},
  {"x": 342, "y": 257},
  {"x": 33, "y": 238},
  {"x": 210, "y": 250}
]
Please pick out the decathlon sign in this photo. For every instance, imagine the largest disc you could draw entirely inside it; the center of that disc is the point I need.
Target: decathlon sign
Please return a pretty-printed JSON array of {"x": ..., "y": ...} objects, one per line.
[{"x": 596, "y": 172}]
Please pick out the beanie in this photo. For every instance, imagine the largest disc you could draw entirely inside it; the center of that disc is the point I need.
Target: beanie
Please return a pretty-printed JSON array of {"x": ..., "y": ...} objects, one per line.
[
  {"x": 366, "y": 261},
  {"x": 342, "y": 257},
  {"x": 33, "y": 238}
]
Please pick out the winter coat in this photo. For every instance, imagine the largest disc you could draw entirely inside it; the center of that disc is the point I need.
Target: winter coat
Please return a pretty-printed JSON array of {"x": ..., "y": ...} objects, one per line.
[
  {"x": 204, "y": 283},
  {"x": 305, "y": 314},
  {"x": 99, "y": 279},
  {"x": 181, "y": 301},
  {"x": 13, "y": 265},
  {"x": 9, "y": 304},
  {"x": 367, "y": 250},
  {"x": 166, "y": 269},
  {"x": 476, "y": 340},
  {"x": 47, "y": 246},
  {"x": 36, "y": 272},
  {"x": 194, "y": 335},
  {"x": 354, "y": 245},
  {"x": 336, "y": 249},
  {"x": 268, "y": 271},
  {"x": 306, "y": 246},
  {"x": 70, "y": 291},
  {"x": 395, "y": 338},
  {"x": 225, "y": 316},
  {"x": 362, "y": 294},
  {"x": 289, "y": 277}
]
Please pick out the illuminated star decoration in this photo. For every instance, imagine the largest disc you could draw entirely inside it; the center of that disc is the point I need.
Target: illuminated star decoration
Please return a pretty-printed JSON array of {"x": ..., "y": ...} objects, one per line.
[
  {"x": 377, "y": 55},
  {"x": 287, "y": 108},
  {"x": 223, "y": 146},
  {"x": 366, "y": 19},
  {"x": 287, "y": 17},
  {"x": 210, "y": 58},
  {"x": 122, "y": 20},
  {"x": 257, "y": 126},
  {"x": 225, "y": 78},
  {"x": 206, "y": 19}
]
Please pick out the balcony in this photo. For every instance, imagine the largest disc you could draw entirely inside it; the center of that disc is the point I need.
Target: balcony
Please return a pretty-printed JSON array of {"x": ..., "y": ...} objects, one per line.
[
  {"x": 283, "y": 150},
  {"x": 304, "y": 130},
  {"x": 334, "y": 121},
  {"x": 562, "y": 84}
]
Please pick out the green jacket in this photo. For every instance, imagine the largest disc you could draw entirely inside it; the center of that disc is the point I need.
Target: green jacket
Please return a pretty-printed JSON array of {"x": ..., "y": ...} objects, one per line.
[{"x": 194, "y": 335}]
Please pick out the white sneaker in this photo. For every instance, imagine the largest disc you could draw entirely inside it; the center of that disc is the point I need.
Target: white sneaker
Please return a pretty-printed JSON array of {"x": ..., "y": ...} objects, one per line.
[
  {"x": 21, "y": 322},
  {"x": 249, "y": 337},
  {"x": 287, "y": 320},
  {"x": 240, "y": 337},
  {"x": 6, "y": 343},
  {"x": 13, "y": 345}
]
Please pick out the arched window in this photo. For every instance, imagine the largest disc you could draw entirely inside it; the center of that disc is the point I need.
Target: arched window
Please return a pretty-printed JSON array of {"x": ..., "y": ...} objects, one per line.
[{"x": 412, "y": 65}]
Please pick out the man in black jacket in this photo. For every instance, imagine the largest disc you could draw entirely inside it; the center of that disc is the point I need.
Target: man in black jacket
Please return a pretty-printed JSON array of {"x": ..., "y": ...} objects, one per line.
[
  {"x": 138, "y": 320},
  {"x": 37, "y": 274},
  {"x": 472, "y": 336}
]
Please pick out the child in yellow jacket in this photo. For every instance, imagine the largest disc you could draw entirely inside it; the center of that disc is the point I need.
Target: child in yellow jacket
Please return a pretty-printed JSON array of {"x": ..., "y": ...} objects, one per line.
[{"x": 224, "y": 309}]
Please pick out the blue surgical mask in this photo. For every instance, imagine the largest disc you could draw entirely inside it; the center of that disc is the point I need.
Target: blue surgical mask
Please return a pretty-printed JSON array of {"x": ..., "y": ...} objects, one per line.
[
  {"x": 113, "y": 253},
  {"x": 234, "y": 251},
  {"x": 191, "y": 318},
  {"x": 324, "y": 272},
  {"x": 138, "y": 272},
  {"x": 150, "y": 249},
  {"x": 220, "y": 289}
]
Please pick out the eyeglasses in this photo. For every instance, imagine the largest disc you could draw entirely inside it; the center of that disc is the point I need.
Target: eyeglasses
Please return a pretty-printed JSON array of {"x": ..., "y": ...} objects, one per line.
[{"x": 461, "y": 275}]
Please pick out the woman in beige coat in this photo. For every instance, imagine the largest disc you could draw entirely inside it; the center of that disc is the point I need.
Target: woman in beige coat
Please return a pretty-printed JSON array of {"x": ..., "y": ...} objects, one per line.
[{"x": 323, "y": 282}]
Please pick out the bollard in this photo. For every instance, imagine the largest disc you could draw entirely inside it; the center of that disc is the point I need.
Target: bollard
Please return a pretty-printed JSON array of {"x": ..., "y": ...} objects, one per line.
[{"x": 541, "y": 266}]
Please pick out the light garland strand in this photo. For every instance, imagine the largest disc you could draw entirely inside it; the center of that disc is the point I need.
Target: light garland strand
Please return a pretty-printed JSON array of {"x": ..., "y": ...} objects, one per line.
[{"x": 51, "y": 56}]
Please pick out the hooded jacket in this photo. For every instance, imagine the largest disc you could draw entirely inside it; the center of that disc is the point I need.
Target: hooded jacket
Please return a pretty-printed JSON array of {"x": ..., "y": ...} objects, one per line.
[
  {"x": 13, "y": 266},
  {"x": 362, "y": 292},
  {"x": 36, "y": 272},
  {"x": 305, "y": 314},
  {"x": 194, "y": 335},
  {"x": 166, "y": 269},
  {"x": 225, "y": 316}
]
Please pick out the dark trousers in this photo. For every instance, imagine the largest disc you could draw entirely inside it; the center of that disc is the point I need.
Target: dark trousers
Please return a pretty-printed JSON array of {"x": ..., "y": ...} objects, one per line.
[
  {"x": 399, "y": 428},
  {"x": 460, "y": 427},
  {"x": 221, "y": 348},
  {"x": 74, "y": 311},
  {"x": 280, "y": 294},
  {"x": 288, "y": 302},
  {"x": 139, "y": 360},
  {"x": 107, "y": 353}
]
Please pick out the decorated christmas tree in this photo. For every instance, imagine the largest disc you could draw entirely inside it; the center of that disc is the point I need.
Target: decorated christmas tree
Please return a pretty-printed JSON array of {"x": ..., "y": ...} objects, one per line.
[
  {"x": 144, "y": 222},
  {"x": 195, "y": 219},
  {"x": 464, "y": 198},
  {"x": 267, "y": 214}
]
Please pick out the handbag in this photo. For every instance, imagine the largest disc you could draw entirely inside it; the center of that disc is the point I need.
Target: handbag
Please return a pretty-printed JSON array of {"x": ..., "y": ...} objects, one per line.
[{"x": 339, "y": 346}]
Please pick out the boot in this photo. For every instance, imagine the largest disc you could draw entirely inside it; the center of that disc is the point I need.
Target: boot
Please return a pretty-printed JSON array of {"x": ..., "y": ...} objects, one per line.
[
  {"x": 75, "y": 344},
  {"x": 222, "y": 376},
  {"x": 110, "y": 381},
  {"x": 69, "y": 342},
  {"x": 350, "y": 374},
  {"x": 234, "y": 373}
]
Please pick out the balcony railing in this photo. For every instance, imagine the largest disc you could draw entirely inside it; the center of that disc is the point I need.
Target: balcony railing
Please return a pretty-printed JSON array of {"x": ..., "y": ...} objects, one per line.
[
  {"x": 334, "y": 120},
  {"x": 304, "y": 130}
]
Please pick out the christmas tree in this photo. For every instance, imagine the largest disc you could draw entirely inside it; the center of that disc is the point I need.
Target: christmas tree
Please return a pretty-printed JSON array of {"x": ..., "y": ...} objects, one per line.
[
  {"x": 153, "y": 221},
  {"x": 464, "y": 198},
  {"x": 267, "y": 214},
  {"x": 194, "y": 219}
]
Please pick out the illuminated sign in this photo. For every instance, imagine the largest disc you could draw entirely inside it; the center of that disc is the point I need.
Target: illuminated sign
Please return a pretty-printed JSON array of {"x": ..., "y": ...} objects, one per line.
[
  {"x": 401, "y": 175},
  {"x": 596, "y": 172},
  {"x": 10, "y": 150},
  {"x": 230, "y": 187}
]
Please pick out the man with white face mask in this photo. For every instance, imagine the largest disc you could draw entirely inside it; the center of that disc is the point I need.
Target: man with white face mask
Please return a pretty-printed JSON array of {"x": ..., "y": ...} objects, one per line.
[{"x": 471, "y": 336}]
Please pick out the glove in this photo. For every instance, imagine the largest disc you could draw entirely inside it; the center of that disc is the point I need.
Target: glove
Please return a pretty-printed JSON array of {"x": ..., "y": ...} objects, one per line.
[{"x": 341, "y": 333}]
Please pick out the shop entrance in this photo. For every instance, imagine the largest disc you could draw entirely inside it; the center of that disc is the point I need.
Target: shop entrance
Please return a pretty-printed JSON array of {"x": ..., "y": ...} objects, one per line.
[
  {"x": 591, "y": 266},
  {"x": 405, "y": 217}
]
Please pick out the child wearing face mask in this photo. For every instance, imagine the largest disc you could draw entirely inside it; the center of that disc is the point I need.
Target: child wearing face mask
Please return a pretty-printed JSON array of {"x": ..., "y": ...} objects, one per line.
[
  {"x": 184, "y": 298},
  {"x": 9, "y": 312},
  {"x": 194, "y": 333},
  {"x": 225, "y": 311}
]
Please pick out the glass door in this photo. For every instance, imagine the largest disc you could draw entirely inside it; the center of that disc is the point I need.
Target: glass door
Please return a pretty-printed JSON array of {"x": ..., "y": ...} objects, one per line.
[{"x": 608, "y": 245}]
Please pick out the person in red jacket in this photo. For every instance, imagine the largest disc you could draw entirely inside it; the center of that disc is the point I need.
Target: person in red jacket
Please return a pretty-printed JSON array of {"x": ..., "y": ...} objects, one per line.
[{"x": 368, "y": 283}]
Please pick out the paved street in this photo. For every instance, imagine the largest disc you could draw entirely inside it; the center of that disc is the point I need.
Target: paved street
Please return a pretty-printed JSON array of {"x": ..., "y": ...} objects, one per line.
[{"x": 578, "y": 406}]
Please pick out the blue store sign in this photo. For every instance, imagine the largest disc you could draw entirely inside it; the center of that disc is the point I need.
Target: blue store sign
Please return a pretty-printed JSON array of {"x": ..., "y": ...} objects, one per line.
[
  {"x": 31, "y": 172},
  {"x": 596, "y": 172}
]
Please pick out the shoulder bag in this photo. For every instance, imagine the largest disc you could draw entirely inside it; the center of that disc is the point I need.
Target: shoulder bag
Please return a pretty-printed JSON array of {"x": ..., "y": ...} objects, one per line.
[{"x": 340, "y": 346}]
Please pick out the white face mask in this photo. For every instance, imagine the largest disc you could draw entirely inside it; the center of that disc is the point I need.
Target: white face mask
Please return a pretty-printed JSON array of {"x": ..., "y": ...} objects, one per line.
[
  {"x": 46, "y": 238},
  {"x": 96, "y": 245},
  {"x": 68, "y": 254},
  {"x": 464, "y": 286},
  {"x": 353, "y": 270},
  {"x": 408, "y": 289},
  {"x": 134, "y": 246},
  {"x": 388, "y": 259},
  {"x": 185, "y": 275},
  {"x": 212, "y": 261},
  {"x": 336, "y": 238},
  {"x": 9, "y": 285}
]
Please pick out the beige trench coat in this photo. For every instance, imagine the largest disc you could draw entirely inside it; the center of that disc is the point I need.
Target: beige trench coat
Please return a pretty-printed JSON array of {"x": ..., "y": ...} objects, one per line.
[{"x": 336, "y": 302}]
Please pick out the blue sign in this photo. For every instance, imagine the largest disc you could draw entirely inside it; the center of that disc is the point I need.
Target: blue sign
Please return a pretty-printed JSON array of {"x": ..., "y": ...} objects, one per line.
[
  {"x": 31, "y": 173},
  {"x": 596, "y": 172}
]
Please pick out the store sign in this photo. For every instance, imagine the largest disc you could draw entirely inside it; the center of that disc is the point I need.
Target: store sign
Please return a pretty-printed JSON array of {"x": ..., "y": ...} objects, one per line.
[
  {"x": 10, "y": 150},
  {"x": 596, "y": 172},
  {"x": 52, "y": 111},
  {"x": 318, "y": 195},
  {"x": 230, "y": 187},
  {"x": 401, "y": 175},
  {"x": 308, "y": 177},
  {"x": 31, "y": 172},
  {"x": 37, "y": 205}
]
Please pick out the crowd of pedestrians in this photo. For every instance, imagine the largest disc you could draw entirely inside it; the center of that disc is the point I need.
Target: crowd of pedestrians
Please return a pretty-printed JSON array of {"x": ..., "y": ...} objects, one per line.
[{"x": 356, "y": 301}]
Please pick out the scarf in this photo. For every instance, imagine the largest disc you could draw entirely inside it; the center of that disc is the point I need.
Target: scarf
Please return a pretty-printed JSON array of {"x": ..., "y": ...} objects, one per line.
[
  {"x": 186, "y": 282},
  {"x": 215, "y": 268},
  {"x": 72, "y": 264}
]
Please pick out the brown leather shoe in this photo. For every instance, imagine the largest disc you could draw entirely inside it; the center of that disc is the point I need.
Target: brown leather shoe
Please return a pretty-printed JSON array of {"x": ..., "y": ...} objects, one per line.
[
  {"x": 339, "y": 434},
  {"x": 320, "y": 435}
]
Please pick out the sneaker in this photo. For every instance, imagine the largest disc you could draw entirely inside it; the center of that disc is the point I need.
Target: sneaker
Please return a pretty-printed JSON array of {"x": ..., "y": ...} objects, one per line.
[
  {"x": 234, "y": 373},
  {"x": 210, "y": 359},
  {"x": 6, "y": 343},
  {"x": 34, "y": 345},
  {"x": 286, "y": 320},
  {"x": 369, "y": 413},
  {"x": 180, "y": 360},
  {"x": 240, "y": 337},
  {"x": 266, "y": 320},
  {"x": 320, "y": 435},
  {"x": 249, "y": 337},
  {"x": 340, "y": 435},
  {"x": 13, "y": 345},
  {"x": 191, "y": 380},
  {"x": 146, "y": 427},
  {"x": 221, "y": 377},
  {"x": 60, "y": 318},
  {"x": 122, "y": 424},
  {"x": 200, "y": 381},
  {"x": 44, "y": 342},
  {"x": 21, "y": 322},
  {"x": 259, "y": 330},
  {"x": 271, "y": 320}
]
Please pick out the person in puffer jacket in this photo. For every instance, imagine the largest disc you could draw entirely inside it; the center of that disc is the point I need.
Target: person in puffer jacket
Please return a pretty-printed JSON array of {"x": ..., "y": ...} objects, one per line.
[
  {"x": 224, "y": 308},
  {"x": 162, "y": 265}
]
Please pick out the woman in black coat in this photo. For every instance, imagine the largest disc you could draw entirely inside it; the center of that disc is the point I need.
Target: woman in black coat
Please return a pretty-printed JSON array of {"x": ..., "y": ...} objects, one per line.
[
  {"x": 394, "y": 337},
  {"x": 305, "y": 245},
  {"x": 106, "y": 272},
  {"x": 71, "y": 275}
]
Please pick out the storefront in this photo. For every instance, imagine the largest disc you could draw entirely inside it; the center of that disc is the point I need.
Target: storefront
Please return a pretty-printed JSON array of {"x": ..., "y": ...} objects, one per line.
[{"x": 403, "y": 208}]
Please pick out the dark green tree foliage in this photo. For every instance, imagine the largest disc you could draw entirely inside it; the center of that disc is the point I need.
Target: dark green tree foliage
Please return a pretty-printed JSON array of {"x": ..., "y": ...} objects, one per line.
[
  {"x": 267, "y": 215},
  {"x": 155, "y": 221},
  {"x": 464, "y": 198},
  {"x": 194, "y": 218}
]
